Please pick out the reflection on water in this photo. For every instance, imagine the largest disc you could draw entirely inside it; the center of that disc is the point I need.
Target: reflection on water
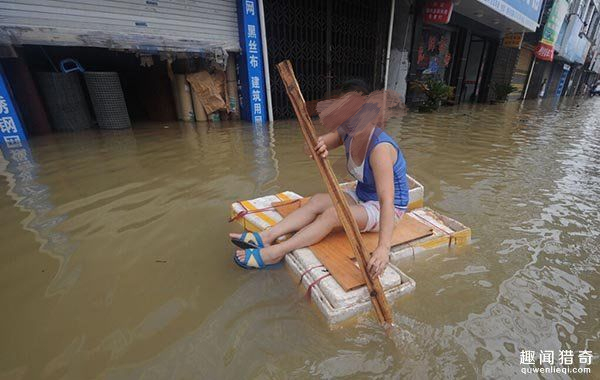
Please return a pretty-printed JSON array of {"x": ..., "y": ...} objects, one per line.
[
  {"x": 20, "y": 172},
  {"x": 118, "y": 267}
]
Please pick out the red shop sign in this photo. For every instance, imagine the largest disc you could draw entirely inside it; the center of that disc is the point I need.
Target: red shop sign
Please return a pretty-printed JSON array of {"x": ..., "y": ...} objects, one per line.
[
  {"x": 438, "y": 11},
  {"x": 544, "y": 52}
]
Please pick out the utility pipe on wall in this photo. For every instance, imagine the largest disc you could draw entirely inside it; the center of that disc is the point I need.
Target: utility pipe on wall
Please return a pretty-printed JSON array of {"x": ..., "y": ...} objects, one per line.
[
  {"x": 389, "y": 44},
  {"x": 263, "y": 38}
]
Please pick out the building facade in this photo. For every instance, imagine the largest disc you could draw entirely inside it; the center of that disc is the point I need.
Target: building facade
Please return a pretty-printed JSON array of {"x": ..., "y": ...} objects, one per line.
[
  {"x": 466, "y": 51},
  {"x": 148, "y": 43},
  {"x": 569, "y": 67},
  {"x": 541, "y": 49},
  {"x": 472, "y": 45}
]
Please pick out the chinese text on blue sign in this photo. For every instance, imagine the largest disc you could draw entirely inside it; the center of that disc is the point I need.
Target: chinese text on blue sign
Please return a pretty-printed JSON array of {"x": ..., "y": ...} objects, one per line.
[{"x": 252, "y": 102}]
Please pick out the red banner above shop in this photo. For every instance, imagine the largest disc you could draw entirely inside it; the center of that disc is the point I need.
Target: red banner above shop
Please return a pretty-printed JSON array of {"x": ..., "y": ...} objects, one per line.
[
  {"x": 544, "y": 52},
  {"x": 438, "y": 11},
  {"x": 556, "y": 18}
]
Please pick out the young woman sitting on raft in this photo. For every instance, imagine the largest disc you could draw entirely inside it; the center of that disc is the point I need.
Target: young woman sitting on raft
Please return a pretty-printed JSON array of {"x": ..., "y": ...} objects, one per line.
[{"x": 379, "y": 200}]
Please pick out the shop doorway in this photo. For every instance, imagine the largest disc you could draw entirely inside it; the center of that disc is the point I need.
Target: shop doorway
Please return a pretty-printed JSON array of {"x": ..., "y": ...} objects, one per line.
[
  {"x": 328, "y": 42},
  {"x": 474, "y": 77}
]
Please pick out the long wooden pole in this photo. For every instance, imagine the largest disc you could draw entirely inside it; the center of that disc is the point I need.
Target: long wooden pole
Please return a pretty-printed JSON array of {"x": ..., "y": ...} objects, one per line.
[{"x": 380, "y": 304}]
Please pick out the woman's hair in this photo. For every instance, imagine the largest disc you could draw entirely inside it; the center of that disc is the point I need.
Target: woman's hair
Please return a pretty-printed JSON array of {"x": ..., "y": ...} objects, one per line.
[
  {"x": 355, "y": 108},
  {"x": 355, "y": 85}
]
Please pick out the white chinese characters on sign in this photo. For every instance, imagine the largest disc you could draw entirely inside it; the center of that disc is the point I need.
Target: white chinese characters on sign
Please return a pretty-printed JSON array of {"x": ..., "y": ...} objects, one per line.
[
  {"x": 252, "y": 47},
  {"x": 7, "y": 125},
  {"x": 251, "y": 31},
  {"x": 253, "y": 62},
  {"x": 250, "y": 7},
  {"x": 13, "y": 141},
  {"x": 3, "y": 106},
  {"x": 12, "y": 135}
]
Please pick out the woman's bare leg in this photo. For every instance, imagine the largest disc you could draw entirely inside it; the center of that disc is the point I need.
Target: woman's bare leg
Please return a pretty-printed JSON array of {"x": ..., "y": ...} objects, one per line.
[
  {"x": 298, "y": 219},
  {"x": 311, "y": 234}
]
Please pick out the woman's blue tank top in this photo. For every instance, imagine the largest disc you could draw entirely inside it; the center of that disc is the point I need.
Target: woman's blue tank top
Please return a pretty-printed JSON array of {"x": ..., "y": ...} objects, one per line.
[{"x": 365, "y": 189}]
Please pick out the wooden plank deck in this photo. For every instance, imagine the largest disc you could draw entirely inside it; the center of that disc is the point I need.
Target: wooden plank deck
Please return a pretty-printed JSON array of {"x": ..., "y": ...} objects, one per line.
[{"x": 335, "y": 252}]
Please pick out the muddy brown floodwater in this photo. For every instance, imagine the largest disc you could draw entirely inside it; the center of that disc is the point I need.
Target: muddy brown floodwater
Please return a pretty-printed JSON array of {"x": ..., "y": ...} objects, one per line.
[{"x": 115, "y": 262}]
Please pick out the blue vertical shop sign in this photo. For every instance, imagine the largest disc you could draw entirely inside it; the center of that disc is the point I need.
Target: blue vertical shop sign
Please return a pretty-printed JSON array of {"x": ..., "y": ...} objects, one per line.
[
  {"x": 15, "y": 149},
  {"x": 251, "y": 69},
  {"x": 562, "y": 80},
  {"x": 12, "y": 134}
]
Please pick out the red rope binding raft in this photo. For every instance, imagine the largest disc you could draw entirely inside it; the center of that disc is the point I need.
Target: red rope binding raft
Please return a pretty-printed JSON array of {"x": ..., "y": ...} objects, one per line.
[
  {"x": 308, "y": 270},
  {"x": 308, "y": 293}
]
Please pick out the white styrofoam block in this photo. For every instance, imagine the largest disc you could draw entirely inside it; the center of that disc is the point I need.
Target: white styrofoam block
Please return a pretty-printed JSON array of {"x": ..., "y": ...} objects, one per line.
[
  {"x": 334, "y": 303},
  {"x": 331, "y": 289},
  {"x": 416, "y": 190},
  {"x": 443, "y": 229}
]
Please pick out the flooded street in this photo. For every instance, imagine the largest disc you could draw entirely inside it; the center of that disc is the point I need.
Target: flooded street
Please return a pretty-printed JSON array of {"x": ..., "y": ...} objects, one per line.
[{"x": 119, "y": 266}]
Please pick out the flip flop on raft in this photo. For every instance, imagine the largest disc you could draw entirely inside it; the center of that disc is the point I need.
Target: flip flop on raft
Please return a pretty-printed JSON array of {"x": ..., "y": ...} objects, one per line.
[
  {"x": 253, "y": 260},
  {"x": 249, "y": 240}
]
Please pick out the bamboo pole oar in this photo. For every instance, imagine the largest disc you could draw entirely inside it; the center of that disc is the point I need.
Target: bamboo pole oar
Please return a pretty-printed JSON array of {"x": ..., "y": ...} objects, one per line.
[{"x": 380, "y": 304}]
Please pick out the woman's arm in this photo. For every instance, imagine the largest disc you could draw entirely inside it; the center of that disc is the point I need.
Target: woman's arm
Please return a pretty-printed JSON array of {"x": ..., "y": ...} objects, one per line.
[
  {"x": 325, "y": 143},
  {"x": 382, "y": 162}
]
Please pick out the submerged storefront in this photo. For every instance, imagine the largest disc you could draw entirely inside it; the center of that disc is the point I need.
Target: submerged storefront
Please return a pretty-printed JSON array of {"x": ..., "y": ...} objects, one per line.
[
  {"x": 461, "y": 50},
  {"x": 459, "y": 54},
  {"x": 565, "y": 50},
  {"x": 199, "y": 60}
]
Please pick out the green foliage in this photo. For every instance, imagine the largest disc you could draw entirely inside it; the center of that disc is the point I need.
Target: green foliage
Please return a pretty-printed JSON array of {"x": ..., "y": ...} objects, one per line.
[
  {"x": 436, "y": 92},
  {"x": 502, "y": 90}
]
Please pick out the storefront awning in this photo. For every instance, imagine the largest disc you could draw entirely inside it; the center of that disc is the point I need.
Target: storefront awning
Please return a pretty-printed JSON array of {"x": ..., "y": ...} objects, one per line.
[{"x": 503, "y": 15}]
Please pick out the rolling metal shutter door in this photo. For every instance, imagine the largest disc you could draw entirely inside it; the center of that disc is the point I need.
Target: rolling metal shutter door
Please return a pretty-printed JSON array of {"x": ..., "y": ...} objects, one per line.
[{"x": 173, "y": 25}]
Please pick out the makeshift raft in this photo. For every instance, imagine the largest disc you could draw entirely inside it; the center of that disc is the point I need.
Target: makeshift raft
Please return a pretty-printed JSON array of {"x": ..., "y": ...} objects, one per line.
[{"x": 328, "y": 270}]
